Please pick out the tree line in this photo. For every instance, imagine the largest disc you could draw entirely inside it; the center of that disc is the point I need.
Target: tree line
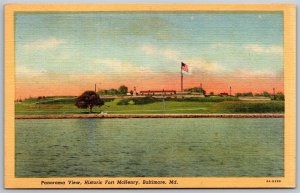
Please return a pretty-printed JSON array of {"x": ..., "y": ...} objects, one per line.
[
  {"x": 122, "y": 90},
  {"x": 277, "y": 96}
]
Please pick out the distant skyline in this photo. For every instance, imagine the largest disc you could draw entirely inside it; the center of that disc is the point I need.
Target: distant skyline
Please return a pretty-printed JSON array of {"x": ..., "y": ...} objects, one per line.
[{"x": 67, "y": 53}]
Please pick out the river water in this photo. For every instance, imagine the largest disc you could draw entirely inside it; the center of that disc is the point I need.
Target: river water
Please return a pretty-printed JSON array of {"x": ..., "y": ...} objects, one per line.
[{"x": 192, "y": 147}]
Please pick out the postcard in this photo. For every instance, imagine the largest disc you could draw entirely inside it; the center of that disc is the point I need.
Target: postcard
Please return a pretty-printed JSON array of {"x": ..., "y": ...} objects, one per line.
[{"x": 150, "y": 96}]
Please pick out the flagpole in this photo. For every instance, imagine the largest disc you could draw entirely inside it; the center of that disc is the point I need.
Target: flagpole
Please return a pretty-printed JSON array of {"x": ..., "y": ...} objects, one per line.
[{"x": 181, "y": 77}]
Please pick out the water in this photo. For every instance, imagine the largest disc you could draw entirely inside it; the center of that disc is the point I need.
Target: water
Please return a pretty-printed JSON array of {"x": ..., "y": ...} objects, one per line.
[{"x": 149, "y": 147}]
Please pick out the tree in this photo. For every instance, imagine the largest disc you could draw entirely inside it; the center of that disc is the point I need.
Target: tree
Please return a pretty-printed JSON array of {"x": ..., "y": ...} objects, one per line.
[
  {"x": 123, "y": 89},
  {"x": 246, "y": 94},
  {"x": 196, "y": 89},
  {"x": 89, "y": 99},
  {"x": 279, "y": 96},
  {"x": 111, "y": 92},
  {"x": 266, "y": 94}
]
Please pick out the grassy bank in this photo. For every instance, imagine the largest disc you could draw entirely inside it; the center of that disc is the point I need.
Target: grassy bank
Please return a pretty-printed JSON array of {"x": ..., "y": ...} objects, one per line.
[{"x": 65, "y": 105}]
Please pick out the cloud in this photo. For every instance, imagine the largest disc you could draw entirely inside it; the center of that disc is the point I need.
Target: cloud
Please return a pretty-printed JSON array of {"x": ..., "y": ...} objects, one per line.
[
  {"x": 170, "y": 54},
  {"x": 45, "y": 44},
  {"x": 224, "y": 45},
  {"x": 244, "y": 73},
  {"x": 263, "y": 49},
  {"x": 201, "y": 65},
  {"x": 149, "y": 49},
  {"x": 166, "y": 53},
  {"x": 27, "y": 71},
  {"x": 218, "y": 45},
  {"x": 118, "y": 66}
]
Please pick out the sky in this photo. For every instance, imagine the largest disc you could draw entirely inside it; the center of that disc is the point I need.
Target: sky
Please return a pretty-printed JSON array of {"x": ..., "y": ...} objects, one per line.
[{"x": 67, "y": 53}]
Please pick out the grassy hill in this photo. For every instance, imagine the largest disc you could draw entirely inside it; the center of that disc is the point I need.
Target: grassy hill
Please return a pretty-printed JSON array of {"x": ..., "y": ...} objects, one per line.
[{"x": 65, "y": 105}]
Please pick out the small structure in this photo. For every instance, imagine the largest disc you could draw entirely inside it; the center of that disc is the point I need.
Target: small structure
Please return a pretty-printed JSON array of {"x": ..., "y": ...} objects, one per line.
[
  {"x": 157, "y": 92},
  {"x": 134, "y": 91},
  {"x": 183, "y": 93},
  {"x": 223, "y": 94}
]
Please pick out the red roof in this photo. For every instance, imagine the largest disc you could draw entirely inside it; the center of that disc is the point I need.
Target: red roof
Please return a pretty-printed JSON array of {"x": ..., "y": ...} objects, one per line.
[{"x": 156, "y": 91}]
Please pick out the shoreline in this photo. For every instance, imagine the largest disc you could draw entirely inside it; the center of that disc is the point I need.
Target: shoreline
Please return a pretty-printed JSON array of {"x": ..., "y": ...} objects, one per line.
[{"x": 114, "y": 116}]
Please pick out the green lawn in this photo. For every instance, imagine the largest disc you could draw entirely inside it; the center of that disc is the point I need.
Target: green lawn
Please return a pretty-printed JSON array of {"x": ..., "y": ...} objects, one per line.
[{"x": 65, "y": 105}]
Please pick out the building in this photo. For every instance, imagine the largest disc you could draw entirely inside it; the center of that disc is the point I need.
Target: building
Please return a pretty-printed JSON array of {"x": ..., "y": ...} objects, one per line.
[{"x": 157, "y": 92}]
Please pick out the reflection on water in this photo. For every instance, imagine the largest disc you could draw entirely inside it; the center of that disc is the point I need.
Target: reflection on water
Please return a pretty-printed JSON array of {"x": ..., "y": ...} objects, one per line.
[
  {"x": 90, "y": 127},
  {"x": 149, "y": 147}
]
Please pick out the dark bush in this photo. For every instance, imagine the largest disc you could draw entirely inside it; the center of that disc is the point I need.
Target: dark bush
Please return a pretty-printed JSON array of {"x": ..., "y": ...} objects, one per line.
[
  {"x": 205, "y": 99},
  {"x": 255, "y": 107},
  {"x": 139, "y": 101}
]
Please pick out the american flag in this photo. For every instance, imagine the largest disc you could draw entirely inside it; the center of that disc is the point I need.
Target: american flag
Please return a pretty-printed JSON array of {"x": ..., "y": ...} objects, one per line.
[{"x": 184, "y": 67}]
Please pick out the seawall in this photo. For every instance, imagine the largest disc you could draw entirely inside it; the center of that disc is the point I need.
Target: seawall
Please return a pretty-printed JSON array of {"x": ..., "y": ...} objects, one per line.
[{"x": 111, "y": 116}]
